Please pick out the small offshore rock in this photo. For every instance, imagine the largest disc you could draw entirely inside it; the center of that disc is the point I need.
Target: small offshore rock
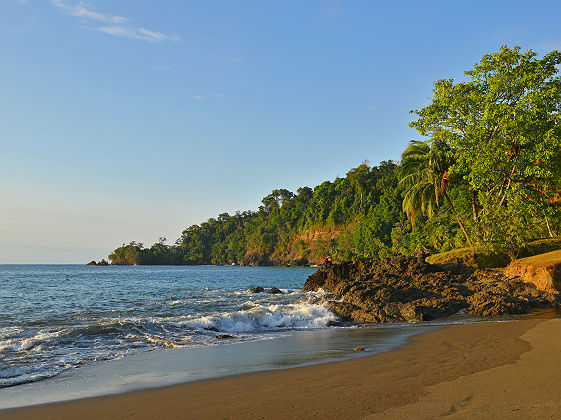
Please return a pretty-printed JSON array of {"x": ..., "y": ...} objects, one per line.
[
  {"x": 274, "y": 291},
  {"x": 223, "y": 336},
  {"x": 212, "y": 328},
  {"x": 102, "y": 262},
  {"x": 257, "y": 289}
]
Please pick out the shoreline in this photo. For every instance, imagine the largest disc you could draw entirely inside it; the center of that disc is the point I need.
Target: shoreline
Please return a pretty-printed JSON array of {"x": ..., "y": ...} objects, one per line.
[
  {"x": 457, "y": 370},
  {"x": 167, "y": 367}
]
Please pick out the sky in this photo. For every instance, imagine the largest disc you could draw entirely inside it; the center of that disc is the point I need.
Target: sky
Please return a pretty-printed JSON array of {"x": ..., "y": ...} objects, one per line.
[{"x": 126, "y": 120}]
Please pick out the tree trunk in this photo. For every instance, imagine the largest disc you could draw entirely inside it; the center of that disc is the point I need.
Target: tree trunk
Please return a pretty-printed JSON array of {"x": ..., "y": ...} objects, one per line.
[
  {"x": 547, "y": 224},
  {"x": 457, "y": 218},
  {"x": 474, "y": 208}
]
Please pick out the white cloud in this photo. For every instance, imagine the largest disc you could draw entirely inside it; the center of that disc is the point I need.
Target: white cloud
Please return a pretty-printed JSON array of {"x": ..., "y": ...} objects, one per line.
[
  {"x": 120, "y": 26},
  {"x": 81, "y": 10},
  {"x": 134, "y": 33}
]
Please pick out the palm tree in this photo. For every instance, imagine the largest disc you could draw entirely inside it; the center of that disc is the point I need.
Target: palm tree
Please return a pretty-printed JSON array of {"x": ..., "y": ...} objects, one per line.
[{"x": 425, "y": 177}]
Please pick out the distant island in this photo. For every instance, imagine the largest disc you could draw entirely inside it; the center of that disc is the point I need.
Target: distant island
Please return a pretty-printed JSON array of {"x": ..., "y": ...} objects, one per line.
[
  {"x": 487, "y": 178},
  {"x": 101, "y": 263}
]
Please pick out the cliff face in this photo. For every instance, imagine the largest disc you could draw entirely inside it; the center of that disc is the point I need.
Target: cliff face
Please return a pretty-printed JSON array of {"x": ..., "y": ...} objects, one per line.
[
  {"x": 310, "y": 247},
  {"x": 409, "y": 289}
]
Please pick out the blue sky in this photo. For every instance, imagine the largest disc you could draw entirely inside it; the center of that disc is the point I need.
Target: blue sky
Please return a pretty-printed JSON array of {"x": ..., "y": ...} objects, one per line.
[{"x": 127, "y": 120}]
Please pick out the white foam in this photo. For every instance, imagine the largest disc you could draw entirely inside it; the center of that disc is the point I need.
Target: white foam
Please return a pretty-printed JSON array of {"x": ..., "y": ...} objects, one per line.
[{"x": 267, "y": 318}]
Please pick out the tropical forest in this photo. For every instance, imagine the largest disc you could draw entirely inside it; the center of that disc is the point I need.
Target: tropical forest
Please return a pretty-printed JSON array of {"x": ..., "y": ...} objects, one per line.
[{"x": 484, "y": 174}]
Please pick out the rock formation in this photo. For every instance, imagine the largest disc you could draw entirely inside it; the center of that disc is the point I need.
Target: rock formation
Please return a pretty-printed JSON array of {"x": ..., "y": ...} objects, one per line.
[
  {"x": 409, "y": 289},
  {"x": 102, "y": 262}
]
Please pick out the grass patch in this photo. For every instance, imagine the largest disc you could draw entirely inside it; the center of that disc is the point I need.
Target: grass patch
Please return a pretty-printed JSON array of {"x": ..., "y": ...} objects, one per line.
[
  {"x": 479, "y": 257},
  {"x": 471, "y": 257},
  {"x": 542, "y": 259}
]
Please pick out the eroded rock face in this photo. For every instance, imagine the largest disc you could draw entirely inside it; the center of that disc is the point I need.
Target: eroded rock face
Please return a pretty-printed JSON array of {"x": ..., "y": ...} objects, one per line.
[
  {"x": 543, "y": 270},
  {"x": 256, "y": 259},
  {"x": 409, "y": 289}
]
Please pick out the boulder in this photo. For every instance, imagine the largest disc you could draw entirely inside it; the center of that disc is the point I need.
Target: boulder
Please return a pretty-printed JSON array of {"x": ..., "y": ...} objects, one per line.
[
  {"x": 211, "y": 328},
  {"x": 274, "y": 291},
  {"x": 257, "y": 289}
]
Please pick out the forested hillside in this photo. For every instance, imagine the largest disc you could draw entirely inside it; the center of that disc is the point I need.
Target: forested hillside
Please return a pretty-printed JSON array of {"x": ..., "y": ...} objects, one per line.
[
  {"x": 488, "y": 175},
  {"x": 352, "y": 216}
]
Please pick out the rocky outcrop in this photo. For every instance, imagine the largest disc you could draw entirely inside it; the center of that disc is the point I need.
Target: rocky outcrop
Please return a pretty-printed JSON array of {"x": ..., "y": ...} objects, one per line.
[
  {"x": 102, "y": 262},
  {"x": 409, "y": 289},
  {"x": 543, "y": 270},
  {"x": 256, "y": 259},
  {"x": 259, "y": 289}
]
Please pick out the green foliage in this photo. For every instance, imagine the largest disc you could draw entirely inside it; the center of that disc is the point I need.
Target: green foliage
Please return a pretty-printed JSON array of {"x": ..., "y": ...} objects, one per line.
[
  {"x": 362, "y": 207},
  {"x": 504, "y": 129},
  {"x": 490, "y": 174}
]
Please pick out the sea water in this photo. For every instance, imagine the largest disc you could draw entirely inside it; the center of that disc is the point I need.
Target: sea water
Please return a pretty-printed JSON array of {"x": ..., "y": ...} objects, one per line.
[
  {"x": 69, "y": 331},
  {"x": 57, "y": 317}
]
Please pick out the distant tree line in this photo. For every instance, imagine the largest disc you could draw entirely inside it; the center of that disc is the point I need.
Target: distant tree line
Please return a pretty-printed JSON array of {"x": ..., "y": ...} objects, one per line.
[{"x": 488, "y": 175}]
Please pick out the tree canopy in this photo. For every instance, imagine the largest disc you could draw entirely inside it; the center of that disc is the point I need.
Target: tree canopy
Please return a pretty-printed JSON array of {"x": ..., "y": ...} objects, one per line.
[
  {"x": 488, "y": 173},
  {"x": 504, "y": 127}
]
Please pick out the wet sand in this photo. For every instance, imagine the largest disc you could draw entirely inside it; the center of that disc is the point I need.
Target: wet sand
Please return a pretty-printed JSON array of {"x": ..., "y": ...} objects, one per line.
[{"x": 487, "y": 370}]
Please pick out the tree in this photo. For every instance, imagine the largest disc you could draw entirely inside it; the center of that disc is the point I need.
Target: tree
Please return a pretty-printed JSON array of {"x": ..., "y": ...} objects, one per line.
[
  {"x": 425, "y": 178},
  {"x": 504, "y": 124}
]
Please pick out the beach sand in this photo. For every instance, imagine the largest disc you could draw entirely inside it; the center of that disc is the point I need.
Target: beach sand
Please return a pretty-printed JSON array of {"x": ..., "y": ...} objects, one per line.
[{"x": 486, "y": 370}]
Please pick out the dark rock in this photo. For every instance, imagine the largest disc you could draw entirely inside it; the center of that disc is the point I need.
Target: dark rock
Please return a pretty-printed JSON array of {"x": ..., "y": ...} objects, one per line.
[
  {"x": 223, "y": 336},
  {"x": 102, "y": 262},
  {"x": 256, "y": 259},
  {"x": 212, "y": 328},
  {"x": 301, "y": 262},
  {"x": 257, "y": 289},
  {"x": 274, "y": 291},
  {"x": 409, "y": 289}
]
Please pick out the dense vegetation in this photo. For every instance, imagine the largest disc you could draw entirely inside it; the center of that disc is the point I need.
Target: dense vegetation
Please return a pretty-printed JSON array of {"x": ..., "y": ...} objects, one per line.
[{"x": 488, "y": 176}]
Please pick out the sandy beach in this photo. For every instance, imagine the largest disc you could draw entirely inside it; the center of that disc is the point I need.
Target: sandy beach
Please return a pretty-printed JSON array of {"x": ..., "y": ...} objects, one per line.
[{"x": 486, "y": 370}]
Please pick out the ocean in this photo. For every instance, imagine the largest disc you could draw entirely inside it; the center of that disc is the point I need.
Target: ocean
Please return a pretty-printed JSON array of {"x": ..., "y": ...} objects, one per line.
[
  {"x": 57, "y": 317},
  {"x": 72, "y": 331}
]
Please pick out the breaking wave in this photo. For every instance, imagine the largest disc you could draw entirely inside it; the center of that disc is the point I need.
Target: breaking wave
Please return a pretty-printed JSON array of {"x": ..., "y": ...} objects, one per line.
[{"x": 42, "y": 347}]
